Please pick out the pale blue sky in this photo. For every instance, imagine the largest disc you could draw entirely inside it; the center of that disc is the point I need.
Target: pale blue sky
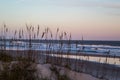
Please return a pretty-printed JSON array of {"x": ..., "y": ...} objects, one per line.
[{"x": 95, "y": 19}]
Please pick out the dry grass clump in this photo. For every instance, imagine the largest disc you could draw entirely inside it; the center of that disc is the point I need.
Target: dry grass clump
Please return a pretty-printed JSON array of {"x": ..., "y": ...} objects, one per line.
[
  {"x": 18, "y": 70},
  {"x": 57, "y": 72},
  {"x": 5, "y": 58}
]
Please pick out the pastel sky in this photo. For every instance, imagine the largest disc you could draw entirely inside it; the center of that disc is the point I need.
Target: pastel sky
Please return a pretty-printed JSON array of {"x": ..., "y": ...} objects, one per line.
[{"x": 94, "y": 19}]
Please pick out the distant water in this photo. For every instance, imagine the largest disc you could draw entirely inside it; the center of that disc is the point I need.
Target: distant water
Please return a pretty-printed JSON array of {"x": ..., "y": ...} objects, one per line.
[
  {"x": 85, "y": 42},
  {"x": 90, "y": 46},
  {"x": 90, "y": 42}
]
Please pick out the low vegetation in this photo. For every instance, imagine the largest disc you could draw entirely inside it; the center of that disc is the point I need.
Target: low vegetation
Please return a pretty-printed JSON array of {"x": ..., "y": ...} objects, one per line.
[
  {"x": 59, "y": 76},
  {"x": 16, "y": 70},
  {"x": 5, "y": 58}
]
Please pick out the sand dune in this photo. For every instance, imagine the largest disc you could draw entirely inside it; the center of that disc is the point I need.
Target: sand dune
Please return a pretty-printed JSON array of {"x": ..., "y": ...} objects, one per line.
[{"x": 45, "y": 72}]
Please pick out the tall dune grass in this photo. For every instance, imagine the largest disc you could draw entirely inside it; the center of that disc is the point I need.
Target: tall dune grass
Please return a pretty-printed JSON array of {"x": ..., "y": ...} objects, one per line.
[{"x": 25, "y": 37}]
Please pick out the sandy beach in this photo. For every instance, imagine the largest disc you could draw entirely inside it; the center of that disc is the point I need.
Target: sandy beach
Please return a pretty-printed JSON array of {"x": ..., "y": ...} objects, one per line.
[{"x": 44, "y": 71}]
